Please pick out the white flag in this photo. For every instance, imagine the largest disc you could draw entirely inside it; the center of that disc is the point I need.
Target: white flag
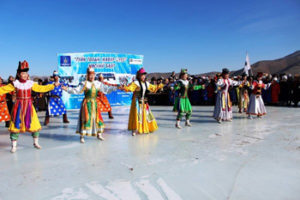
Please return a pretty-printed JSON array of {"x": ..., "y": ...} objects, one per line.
[{"x": 247, "y": 66}]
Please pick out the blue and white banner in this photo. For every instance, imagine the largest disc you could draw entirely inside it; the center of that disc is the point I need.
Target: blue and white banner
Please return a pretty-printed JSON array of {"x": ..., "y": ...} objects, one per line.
[{"x": 115, "y": 67}]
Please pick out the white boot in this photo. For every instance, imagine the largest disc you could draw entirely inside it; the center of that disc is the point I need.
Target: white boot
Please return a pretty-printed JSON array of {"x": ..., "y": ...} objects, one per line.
[
  {"x": 250, "y": 117},
  {"x": 177, "y": 125},
  {"x": 134, "y": 133},
  {"x": 219, "y": 121},
  {"x": 81, "y": 139},
  {"x": 99, "y": 136},
  {"x": 188, "y": 123},
  {"x": 36, "y": 143},
  {"x": 13, "y": 146}
]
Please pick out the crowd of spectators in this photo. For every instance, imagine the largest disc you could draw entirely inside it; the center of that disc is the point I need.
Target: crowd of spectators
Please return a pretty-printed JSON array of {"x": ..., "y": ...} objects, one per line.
[{"x": 284, "y": 90}]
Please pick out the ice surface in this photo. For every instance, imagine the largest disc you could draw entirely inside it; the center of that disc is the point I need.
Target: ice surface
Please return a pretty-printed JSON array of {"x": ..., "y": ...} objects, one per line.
[{"x": 242, "y": 160}]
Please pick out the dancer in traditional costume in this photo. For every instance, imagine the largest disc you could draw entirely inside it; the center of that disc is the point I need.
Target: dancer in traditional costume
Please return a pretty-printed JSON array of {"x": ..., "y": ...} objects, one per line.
[
  {"x": 102, "y": 100},
  {"x": 182, "y": 103},
  {"x": 56, "y": 105},
  {"x": 243, "y": 94},
  {"x": 24, "y": 117},
  {"x": 223, "y": 106},
  {"x": 10, "y": 99},
  {"x": 256, "y": 105},
  {"x": 141, "y": 119},
  {"x": 90, "y": 122},
  {"x": 4, "y": 112}
]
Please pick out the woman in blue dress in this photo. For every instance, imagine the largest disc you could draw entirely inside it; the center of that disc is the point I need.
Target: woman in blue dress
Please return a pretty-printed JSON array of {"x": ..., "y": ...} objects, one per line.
[{"x": 56, "y": 106}]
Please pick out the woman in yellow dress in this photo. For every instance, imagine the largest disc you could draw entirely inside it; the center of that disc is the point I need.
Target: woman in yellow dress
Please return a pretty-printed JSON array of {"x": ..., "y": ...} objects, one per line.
[
  {"x": 141, "y": 119},
  {"x": 23, "y": 116}
]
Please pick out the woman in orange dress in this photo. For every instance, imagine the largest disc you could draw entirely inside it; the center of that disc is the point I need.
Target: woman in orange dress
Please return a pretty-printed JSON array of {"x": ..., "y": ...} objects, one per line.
[
  {"x": 102, "y": 100},
  {"x": 4, "y": 112}
]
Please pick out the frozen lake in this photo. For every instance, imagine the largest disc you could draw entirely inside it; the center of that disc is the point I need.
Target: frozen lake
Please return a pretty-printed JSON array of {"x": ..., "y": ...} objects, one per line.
[{"x": 255, "y": 159}]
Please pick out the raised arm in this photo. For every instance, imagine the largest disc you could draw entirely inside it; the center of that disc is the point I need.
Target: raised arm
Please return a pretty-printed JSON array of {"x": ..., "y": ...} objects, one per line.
[
  {"x": 130, "y": 88},
  {"x": 42, "y": 88},
  {"x": 154, "y": 88},
  {"x": 7, "y": 89},
  {"x": 235, "y": 83},
  {"x": 198, "y": 87},
  {"x": 105, "y": 88},
  {"x": 77, "y": 90}
]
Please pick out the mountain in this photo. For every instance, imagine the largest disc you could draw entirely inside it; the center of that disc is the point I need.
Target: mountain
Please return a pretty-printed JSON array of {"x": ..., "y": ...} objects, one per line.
[{"x": 289, "y": 64}]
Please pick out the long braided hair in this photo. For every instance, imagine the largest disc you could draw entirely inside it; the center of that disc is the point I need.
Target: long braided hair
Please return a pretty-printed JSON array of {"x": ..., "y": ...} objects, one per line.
[{"x": 138, "y": 77}]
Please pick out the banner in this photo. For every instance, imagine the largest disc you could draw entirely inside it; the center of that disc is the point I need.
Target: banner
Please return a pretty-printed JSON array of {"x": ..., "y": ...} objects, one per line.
[{"x": 116, "y": 68}]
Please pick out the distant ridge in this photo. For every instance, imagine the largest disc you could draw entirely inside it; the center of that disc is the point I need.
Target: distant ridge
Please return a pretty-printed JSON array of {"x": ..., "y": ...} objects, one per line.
[{"x": 289, "y": 64}]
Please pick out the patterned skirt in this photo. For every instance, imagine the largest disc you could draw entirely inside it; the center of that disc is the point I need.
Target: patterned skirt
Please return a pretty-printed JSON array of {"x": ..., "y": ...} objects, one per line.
[
  {"x": 56, "y": 106},
  {"x": 4, "y": 112},
  {"x": 103, "y": 103},
  {"x": 90, "y": 121}
]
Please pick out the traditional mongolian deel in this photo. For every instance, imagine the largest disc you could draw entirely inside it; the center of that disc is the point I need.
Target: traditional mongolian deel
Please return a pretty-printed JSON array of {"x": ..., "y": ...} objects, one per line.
[
  {"x": 182, "y": 103},
  {"x": 4, "y": 112},
  {"x": 90, "y": 121},
  {"x": 256, "y": 105},
  {"x": 223, "y": 107},
  {"x": 55, "y": 105},
  {"x": 24, "y": 117},
  {"x": 103, "y": 102},
  {"x": 243, "y": 97},
  {"x": 141, "y": 118}
]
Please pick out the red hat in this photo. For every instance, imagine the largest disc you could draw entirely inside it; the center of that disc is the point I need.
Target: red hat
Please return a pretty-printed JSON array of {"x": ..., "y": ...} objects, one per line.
[
  {"x": 142, "y": 71},
  {"x": 23, "y": 66}
]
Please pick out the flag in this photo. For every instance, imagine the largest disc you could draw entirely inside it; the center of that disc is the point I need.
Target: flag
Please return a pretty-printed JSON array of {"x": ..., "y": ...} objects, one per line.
[{"x": 247, "y": 66}]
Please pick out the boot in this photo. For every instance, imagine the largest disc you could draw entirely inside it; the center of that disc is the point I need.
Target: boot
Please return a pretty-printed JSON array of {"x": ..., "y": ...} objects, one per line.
[
  {"x": 47, "y": 120},
  {"x": 188, "y": 123},
  {"x": 7, "y": 124},
  {"x": 219, "y": 121},
  {"x": 81, "y": 139},
  {"x": 13, "y": 146},
  {"x": 134, "y": 133},
  {"x": 65, "y": 119},
  {"x": 177, "y": 125},
  {"x": 110, "y": 116},
  {"x": 99, "y": 136},
  {"x": 36, "y": 143},
  {"x": 250, "y": 117}
]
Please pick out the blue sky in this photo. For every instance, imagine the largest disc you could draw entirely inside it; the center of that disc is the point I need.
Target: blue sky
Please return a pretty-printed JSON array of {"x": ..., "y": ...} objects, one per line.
[{"x": 201, "y": 35}]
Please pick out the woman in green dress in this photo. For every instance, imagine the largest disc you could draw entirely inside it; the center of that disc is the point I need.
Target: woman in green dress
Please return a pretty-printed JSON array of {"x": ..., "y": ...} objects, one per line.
[
  {"x": 90, "y": 122},
  {"x": 182, "y": 103}
]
